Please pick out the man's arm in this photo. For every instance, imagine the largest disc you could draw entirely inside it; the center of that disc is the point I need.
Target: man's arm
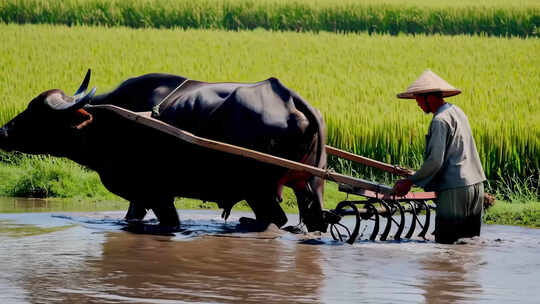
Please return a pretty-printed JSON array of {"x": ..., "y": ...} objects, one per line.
[{"x": 435, "y": 153}]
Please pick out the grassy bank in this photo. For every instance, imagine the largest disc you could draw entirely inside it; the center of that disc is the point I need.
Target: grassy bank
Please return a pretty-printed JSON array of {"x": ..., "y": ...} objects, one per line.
[
  {"x": 41, "y": 177},
  {"x": 352, "y": 79},
  {"x": 518, "y": 213},
  {"x": 75, "y": 189},
  {"x": 501, "y": 18}
]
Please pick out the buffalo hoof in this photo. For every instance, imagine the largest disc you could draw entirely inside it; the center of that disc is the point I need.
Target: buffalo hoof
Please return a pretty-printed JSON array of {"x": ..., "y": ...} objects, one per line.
[
  {"x": 142, "y": 228},
  {"x": 294, "y": 230},
  {"x": 251, "y": 225}
]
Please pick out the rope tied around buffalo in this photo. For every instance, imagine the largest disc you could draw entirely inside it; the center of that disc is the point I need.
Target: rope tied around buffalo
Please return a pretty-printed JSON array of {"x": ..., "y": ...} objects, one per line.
[{"x": 155, "y": 109}]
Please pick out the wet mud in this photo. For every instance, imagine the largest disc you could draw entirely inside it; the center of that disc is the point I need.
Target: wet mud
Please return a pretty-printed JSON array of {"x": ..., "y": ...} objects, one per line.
[{"x": 87, "y": 257}]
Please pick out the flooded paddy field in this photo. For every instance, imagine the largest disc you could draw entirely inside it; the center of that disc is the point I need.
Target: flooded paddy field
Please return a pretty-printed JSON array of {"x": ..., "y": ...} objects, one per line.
[{"x": 86, "y": 257}]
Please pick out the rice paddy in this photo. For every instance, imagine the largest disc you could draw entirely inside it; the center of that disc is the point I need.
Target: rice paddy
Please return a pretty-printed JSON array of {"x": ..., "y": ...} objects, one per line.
[
  {"x": 500, "y": 18},
  {"x": 351, "y": 78}
]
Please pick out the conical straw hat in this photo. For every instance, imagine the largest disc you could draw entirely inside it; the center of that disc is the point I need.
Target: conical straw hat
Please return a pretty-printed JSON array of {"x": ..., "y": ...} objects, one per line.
[{"x": 429, "y": 82}]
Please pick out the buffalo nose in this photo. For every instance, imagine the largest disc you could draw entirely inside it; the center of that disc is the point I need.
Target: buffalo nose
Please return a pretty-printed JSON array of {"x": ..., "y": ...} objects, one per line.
[{"x": 3, "y": 133}]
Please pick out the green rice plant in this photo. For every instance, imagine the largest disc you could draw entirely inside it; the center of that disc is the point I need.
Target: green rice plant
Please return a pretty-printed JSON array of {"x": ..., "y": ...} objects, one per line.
[
  {"x": 501, "y": 18},
  {"x": 516, "y": 189},
  {"x": 353, "y": 79}
]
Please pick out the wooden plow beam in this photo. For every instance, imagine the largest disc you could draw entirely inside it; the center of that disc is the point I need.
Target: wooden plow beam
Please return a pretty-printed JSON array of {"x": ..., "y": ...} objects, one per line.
[
  {"x": 144, "y": 118},
  {"x": 369, "y": 162}
]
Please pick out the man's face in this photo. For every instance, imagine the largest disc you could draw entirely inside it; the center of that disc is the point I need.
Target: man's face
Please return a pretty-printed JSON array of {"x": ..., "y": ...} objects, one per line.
[{"x": 422, "y": 101}]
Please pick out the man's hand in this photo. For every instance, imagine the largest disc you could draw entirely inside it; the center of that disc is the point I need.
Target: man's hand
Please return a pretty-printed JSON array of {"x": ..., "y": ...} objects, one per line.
[{"x": 402, "y": 187}]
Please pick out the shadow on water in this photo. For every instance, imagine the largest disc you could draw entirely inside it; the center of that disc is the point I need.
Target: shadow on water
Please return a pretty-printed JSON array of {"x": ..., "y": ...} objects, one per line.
[{"x": 85, "y": 257}]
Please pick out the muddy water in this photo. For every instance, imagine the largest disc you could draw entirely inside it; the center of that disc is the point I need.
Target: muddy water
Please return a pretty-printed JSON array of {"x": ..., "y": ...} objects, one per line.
[{"x": 85, "y": 257}]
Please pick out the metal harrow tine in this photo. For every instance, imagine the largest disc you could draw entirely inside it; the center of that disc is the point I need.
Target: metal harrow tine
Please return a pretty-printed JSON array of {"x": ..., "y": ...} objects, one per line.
[
  {"x": 413, "y": 222},
  {"x": 388, "y": 226},
  {"x": 373, "y": 213},
  {"x": 401, "y": 225},
  {"x": 393, "y": 212},
  {"x": 356, "y": 231},
  {"x": 332, "y": 228},
  {"x": 425, "y": 227},
  {"x": 418, "y": 209},
  {"x": 373, "y": 235},
  {"x": 345, "y": 227}
]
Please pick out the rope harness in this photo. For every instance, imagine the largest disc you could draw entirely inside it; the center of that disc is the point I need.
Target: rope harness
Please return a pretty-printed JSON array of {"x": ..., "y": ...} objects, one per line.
[{"x": 155, "y": 109}]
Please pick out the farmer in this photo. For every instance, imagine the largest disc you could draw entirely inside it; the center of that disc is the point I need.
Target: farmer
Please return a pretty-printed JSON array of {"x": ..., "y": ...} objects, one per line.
[{"x": 451, "y": 165}]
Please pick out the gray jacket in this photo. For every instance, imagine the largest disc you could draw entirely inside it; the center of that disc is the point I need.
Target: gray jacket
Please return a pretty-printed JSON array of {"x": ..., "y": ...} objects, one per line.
[{"x": 450, "y": 159}]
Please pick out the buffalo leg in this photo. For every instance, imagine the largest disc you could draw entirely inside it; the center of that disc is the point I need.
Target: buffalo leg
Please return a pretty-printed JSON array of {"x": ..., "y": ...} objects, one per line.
[
  {"x": 165, "y": 211},
  {"x": 309, "y": 206},
  {"x": 267, "y": 210},
  {"x": 136, "y": 212}
]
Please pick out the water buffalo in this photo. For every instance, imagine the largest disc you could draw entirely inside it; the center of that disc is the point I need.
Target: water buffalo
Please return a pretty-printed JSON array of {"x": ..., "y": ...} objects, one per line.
[{"x": 150, "y": 168}]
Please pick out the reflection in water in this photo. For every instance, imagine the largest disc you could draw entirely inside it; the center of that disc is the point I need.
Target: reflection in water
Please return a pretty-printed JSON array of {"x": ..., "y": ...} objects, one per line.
[
  {"x": 33, "y": 267},
  {"x": 86, "y": 264},
  {"x": 86, "y": 258},
  {"x": 19, "y": 205},
  {"x": 449, "y": 277},
  {"x": 8, "y": 228},
  {"x": 209, "y": 269}
]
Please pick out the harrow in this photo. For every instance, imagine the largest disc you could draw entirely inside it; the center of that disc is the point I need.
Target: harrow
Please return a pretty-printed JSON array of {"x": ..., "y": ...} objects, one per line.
[
  {"x": 379, "y": 200},
  {"x": 380, "y": 204},
  {"x": 375, "y": 206}
]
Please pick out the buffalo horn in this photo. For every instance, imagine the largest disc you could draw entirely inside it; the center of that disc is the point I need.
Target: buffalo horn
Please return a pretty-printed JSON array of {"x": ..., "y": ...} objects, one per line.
[
  {"x": 57, "y": 102},
  {"x": 84, "y": 84}
]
